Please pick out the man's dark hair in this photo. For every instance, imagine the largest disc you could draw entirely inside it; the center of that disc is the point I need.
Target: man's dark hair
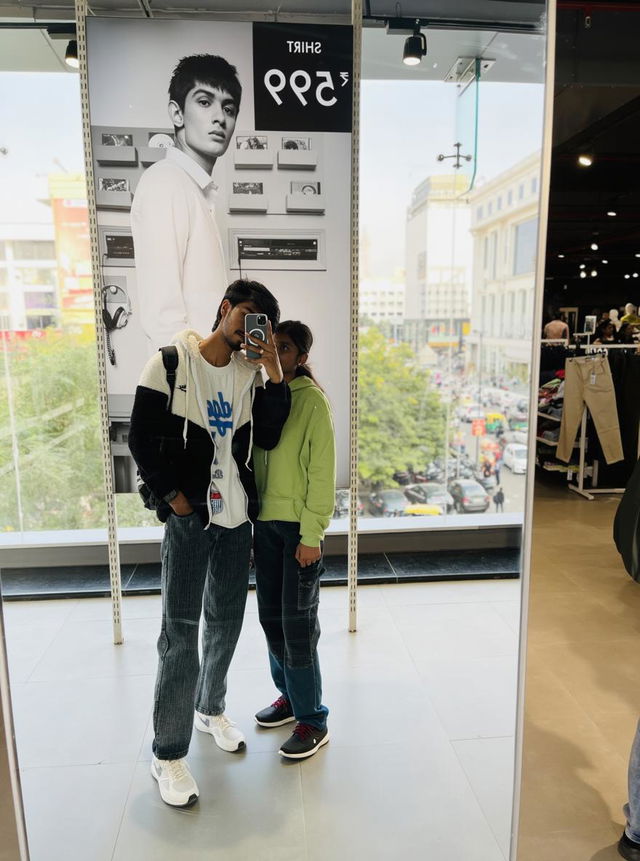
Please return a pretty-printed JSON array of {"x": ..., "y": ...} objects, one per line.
[
  {"x": 207, "y": 69},
  {"x": 244, "y": 290}
]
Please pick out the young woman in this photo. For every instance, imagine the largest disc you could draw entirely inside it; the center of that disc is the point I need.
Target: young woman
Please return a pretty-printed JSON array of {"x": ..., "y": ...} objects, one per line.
[{"x": 296, "y": 486}]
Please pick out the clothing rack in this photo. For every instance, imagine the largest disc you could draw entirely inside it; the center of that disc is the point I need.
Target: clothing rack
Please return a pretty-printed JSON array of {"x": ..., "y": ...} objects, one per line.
[{"x": 583, "y": 469}]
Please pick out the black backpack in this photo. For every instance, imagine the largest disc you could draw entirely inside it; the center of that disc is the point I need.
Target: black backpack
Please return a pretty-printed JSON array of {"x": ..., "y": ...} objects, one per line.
[
  {"x": 626, "y": 525},
  {"x": 170, "y": 362}
]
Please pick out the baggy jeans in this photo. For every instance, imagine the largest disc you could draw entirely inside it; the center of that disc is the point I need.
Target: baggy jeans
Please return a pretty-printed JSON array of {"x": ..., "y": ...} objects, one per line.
[
  {"x": 288, "y": 598},
  {"x": 203, "y": 571},
  {"x": 588, "y": 381},
  {"x": 632, "y": 808}
]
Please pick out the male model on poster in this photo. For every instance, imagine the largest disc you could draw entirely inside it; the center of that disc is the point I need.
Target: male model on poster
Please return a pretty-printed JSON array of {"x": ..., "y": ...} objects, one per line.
[{"x": 181, "y": 270}]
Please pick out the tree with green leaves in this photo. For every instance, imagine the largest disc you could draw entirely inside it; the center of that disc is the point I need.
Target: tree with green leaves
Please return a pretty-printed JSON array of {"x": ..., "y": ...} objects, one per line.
[{"x": 402, "y": 420}]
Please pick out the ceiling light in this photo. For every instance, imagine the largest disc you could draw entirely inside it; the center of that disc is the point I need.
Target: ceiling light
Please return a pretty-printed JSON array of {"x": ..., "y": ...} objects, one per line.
[
  {"x": 605, "y": 261},
  {"x": 415, "y": 47},
  {"x": 635, "y": 274},
  {"x": 583, "y": 274},
  {"x": 637, "y": 255},
  {"x": 583, "y": 266},
  {"x": 585, "y": 159},
  {"x": 594, "y": 246},
  {"x": 612, "y": 213},
  {"x": 594, "y": 272},
  {"x": 627, "y": 276},
  {"x": 561, "y": 256},
  {"x": 71, "y": 55}
]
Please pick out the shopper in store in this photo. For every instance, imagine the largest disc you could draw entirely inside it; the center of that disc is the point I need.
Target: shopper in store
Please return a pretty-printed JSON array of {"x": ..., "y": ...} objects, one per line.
[
  {"x": 556, "y": 328},
  {"x": 605, "y": 333},
  {"x": 181, "y": 271},
  {"x": 192, "y": 445},
  {"x": 296, "y": 485},
  {"x": 629, "y": 844}
]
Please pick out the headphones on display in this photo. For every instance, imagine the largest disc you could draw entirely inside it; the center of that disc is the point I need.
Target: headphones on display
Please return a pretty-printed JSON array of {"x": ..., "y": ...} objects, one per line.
[{"x": 114, "y": 295}]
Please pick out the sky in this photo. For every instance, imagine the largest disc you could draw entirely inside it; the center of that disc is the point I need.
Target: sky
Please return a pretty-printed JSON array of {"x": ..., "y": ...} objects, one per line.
[{"x": 404, "y": 125}]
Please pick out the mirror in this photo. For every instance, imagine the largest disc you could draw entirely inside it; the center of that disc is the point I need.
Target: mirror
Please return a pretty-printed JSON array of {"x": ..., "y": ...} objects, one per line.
[{"x": 423, "y": 696}]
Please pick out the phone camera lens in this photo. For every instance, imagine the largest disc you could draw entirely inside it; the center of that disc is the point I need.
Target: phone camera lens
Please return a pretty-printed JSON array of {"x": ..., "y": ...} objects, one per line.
[{"x": 262, "y": 320}]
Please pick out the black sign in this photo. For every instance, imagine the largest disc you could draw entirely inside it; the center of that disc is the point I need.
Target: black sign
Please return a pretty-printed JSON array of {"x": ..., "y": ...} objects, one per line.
[
  {"x": 278, "y": 249},
  {"x": 119, "y": 247},
  {"x": 302, "y": 77}
]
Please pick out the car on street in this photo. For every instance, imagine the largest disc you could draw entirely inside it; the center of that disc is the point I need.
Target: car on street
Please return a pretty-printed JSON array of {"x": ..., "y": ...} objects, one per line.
[
  {"x": 430, "y": 494},
  {"x": 421, "y": 508},
  {"x": 515, "y": 457},
  {"x": 468, "y": 496},
  {"x": 387, "y": 503},
  {"x": 341, "y": 507}
]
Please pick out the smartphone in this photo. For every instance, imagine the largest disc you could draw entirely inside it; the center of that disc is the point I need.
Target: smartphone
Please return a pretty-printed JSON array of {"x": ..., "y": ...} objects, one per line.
[{"x": 256, "y": 325}]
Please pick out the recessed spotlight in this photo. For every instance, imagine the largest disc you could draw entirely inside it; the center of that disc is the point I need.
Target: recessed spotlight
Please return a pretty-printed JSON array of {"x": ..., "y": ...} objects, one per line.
[
  {"x": 637, "y": 255},
  {"x": 594, "y": 246},
  {"x": 611, "y": 213},
  {"x": 605, "y": 261},
  {"x": 627, "y": 276},
  {"x": 561, "y": 256},
  {"x": 71, "y": 55},
  {"x": 583, "y": 265},
  {"x": 594, "y": 272},
  {"x": 583, "y": 274},
  {"x": 635, "y": 274},
  {"x": 585, "y": 159}
]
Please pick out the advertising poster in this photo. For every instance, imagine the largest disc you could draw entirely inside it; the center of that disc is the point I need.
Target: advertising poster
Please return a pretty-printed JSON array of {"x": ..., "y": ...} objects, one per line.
[{"x": 221, "y": 150}]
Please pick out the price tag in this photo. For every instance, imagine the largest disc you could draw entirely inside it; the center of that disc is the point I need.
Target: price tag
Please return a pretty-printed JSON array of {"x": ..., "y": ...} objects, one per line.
[{"x": 302, "y": 77}]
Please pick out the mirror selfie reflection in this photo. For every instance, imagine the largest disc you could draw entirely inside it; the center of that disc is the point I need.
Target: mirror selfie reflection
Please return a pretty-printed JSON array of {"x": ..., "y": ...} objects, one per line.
[{"x": 234, "y": 561}]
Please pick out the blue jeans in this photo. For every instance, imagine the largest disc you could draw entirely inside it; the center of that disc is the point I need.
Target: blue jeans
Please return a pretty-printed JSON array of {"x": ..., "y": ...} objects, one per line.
[
  {"x": 632, "y": 808},
  {"x": 288, "y": 599},
  {"x": 203, "y": 571}
]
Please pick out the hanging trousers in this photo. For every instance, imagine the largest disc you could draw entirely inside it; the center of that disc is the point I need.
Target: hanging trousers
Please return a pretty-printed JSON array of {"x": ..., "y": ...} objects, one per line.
[{"x": 588, "y": 381}]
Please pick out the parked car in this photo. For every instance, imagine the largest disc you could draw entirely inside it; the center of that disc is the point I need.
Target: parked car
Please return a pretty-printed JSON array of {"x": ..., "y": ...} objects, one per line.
[
  {"x": 513, "y": 437},
  {"x": 515, "y": 457},
  {"x": 422, "y": 508},
  {"x": 474, "y": 411},
  {"x": 487, "y": 481},
  {"x": 468, "y": 496},
  {"x": 341, "y": 508},
  {"x": 387, "y": 503},
  {"x": 431, "y": 494}
]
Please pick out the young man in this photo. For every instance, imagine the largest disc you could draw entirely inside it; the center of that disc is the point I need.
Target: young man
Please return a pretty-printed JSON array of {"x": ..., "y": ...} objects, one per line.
[
  {"x": 194, "y": 455},
  {"x": 181, "y": 271}
]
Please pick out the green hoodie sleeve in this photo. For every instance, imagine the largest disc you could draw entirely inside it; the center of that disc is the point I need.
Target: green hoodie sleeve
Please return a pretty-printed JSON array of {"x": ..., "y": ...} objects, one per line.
[{"x": 321, "y": 476}]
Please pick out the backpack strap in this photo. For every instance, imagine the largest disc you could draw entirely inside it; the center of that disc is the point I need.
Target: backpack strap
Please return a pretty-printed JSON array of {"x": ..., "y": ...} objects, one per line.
[{"x": 170, "y": 362}]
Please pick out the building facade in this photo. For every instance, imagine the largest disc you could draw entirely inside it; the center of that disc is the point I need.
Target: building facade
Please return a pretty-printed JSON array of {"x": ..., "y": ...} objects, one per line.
[
  {"x": 438, "y": 263},
  {"x": 504, "y": 226}
]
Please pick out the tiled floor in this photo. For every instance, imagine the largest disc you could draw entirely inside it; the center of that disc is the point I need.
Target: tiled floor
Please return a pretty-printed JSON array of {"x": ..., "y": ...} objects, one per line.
[
  {"x": 419, "y": 765},
  {"x": 583, "y": 683}
]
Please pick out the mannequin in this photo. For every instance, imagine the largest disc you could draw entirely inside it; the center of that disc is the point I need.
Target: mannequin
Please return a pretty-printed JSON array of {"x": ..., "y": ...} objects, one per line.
[
  {"x": 630, "y": 315},
  {"x": 613, "y": 316}
]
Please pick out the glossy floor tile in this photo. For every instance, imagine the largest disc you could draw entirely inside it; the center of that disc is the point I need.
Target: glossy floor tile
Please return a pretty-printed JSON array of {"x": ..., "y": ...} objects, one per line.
[{"x": 428, "y": 670}]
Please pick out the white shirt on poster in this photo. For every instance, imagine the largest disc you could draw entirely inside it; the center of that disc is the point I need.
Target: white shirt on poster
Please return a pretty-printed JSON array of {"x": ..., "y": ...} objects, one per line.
[
  {"x": 181, "y": 271},
  {"x": 227, "y": 498}
]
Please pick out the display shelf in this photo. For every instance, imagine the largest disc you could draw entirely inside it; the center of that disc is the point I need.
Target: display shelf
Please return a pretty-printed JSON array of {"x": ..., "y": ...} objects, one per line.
[{"x": 551, "y": 418}]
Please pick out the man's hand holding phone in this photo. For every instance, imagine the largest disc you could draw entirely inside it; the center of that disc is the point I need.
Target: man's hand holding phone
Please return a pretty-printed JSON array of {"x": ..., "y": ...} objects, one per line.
[{"x": 261, "y": 351}]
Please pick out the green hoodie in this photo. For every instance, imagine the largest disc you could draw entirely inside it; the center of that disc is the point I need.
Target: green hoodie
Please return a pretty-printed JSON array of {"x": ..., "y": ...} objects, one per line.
[{"x": 296, "y": 480}]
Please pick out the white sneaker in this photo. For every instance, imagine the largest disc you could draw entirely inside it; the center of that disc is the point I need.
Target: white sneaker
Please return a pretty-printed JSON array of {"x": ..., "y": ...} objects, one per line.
[
  {"x": 224, "y": 731},
  {"x": 175, "y": 781}
]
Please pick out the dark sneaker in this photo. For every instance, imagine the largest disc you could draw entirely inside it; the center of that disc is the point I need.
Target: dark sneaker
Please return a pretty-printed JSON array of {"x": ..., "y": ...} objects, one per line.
[
  {"x": 276, "y": 714},
  {"x": 304, "y": 741},
  {"x": 628, "y": 848}
]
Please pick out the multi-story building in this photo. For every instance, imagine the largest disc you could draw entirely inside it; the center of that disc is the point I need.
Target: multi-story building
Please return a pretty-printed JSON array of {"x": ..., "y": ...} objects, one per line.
[
  {"x": 382, "y": 300},
  {"x": 438, "y": 263},
  {"x": 504, "y": 225}
]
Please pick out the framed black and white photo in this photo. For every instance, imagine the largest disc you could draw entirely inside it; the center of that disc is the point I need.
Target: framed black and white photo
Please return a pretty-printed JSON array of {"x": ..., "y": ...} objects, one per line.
[
  {"x": 108, "y": 183},
  {"x": 248, "y": 188},
  {"x": 117, "y": 140},
  {"x": 252, "y": 142},
  {"x": 298, "y": 187},
  {"x": 296, "y": 143}
]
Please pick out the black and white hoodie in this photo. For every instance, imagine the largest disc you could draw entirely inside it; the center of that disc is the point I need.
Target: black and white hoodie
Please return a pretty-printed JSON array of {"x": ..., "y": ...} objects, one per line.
[{"x": 174, "y": 449}]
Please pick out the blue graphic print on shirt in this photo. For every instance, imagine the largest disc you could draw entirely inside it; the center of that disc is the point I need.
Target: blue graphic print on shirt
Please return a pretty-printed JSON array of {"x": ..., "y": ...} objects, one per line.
[{"x": 220, "y": 416}]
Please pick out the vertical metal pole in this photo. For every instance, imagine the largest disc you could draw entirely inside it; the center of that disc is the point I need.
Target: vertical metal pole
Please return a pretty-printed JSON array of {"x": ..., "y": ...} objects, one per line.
[
  {"x": 112, "y": 524},
  {"x": 527, "y": 532},
  {"x": 356, "y": 20}
]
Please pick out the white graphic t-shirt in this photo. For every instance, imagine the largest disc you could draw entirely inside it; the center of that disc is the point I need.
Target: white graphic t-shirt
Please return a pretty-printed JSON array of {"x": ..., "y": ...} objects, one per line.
[{"x": 227, "y": 498}]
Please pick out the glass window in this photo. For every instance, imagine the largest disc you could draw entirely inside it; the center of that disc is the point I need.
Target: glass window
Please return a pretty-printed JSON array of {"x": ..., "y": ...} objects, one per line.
[
  {"x": 479, "y": 212},
  {"x": 35, "y": 276},
  {"x": 4, "y": 277},
  {"x": 521, "y": 191},
  {"x": 499, "y": 203},
  {"x": 534, "y": 185},
  {"x": 4, "y": 301},
  {"x": 422, "y": 265},
  {"x": 490, "y": 207},
  {"x": 509, "y": 197},
  {"x": 5, "y": 322},
  {"x": 39, "y": 321},
  {"x": 524, "y": 253},
  {"x": 33, "y": 249},
  {"x": 39, "y": 299},
  {"x": 3, "y": 250}
]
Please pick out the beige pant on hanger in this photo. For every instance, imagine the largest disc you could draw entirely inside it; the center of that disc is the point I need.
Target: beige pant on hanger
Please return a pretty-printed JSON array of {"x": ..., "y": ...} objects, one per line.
[{"x": 588, "y": 381}]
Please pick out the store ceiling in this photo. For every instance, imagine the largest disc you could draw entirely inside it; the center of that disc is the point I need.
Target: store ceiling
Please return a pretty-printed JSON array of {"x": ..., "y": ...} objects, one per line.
[{"x": 597, "y": 110}]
